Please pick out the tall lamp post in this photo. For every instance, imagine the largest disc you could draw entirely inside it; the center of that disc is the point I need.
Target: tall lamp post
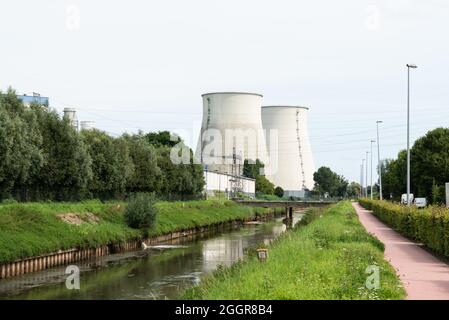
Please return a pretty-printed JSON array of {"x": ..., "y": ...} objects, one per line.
[
  {"x": 409, "y": 66},
  {"x": 379, "y": 169},
  {"x": 366, "y": 175},
  {"x": 371, "y": 179},
  {"x": 362, "y": 180}
]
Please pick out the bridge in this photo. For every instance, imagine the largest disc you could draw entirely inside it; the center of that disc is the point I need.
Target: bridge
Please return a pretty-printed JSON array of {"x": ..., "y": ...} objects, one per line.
[{"x": 288, "y": 205}]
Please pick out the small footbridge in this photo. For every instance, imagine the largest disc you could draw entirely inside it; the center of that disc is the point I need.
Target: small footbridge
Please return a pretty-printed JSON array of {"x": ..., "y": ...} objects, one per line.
[{"x": 289, "y": 205}]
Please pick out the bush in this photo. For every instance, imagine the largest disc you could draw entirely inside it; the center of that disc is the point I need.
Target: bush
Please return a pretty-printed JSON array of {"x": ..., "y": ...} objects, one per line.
[
  {"x": 279, "y": 192},
  {"x": 140, "y": 213},
  {"x": 429, "y": 226}
]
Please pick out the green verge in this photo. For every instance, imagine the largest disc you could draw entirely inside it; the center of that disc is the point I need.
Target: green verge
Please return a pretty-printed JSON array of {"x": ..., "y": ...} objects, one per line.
[
  {"x": 323, "y": 258},
  {"x": 31, "y": 229}
]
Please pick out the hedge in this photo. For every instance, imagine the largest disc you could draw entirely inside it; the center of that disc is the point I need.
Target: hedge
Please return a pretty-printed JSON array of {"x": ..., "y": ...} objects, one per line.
[{"x": 429, "y": 226}]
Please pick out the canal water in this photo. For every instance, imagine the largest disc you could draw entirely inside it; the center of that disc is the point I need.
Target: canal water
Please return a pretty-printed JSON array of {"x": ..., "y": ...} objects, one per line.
[{"x": 161, "y": 272}]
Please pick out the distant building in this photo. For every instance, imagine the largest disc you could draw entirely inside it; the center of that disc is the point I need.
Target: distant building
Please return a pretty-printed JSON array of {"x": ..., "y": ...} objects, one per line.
[
  {"x": 228, "y": 184},
  {"x": 35, "y": 98}
]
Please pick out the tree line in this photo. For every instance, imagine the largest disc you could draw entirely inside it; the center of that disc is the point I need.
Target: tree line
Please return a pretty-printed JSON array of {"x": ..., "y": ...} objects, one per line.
[
  {"x": 42, "y": 157},
  {"x": 429, "y": 168},
  {"x": 329, "y": 183}
]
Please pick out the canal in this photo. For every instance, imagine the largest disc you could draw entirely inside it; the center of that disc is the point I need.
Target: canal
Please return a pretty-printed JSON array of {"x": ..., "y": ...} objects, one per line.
[{"x": 161, "y": 272}]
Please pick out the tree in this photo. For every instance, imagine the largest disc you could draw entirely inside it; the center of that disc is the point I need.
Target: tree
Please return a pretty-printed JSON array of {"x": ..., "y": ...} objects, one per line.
[
  {"x": 353, "y": 189},
  {"x": 252, "y": 169},
  {"x": 147, "y": 175},
  {"x": 430, "y": 164},
  {"x": 263, "y": 185},
  {"x": 327, "y": 181},
  {"x": 279, "y": 192},
  {"x": 111, "y": 165}
]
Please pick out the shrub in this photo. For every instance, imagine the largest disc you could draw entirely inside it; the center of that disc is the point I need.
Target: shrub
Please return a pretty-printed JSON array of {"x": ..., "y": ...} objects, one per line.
[
  {"x": 279, "y": 192},
  {"x": 140, "y": 213},
  {"x": 429, "y": 226}
]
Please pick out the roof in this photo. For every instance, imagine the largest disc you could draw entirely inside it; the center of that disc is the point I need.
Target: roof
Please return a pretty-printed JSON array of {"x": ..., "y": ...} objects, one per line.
[
  {"x": 231, "y": 92},
  {"x": 280, "y": 106}
]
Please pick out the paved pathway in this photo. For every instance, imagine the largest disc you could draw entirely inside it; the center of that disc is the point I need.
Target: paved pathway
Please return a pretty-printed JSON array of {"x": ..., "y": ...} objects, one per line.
[{"x": 423, "y": 275}]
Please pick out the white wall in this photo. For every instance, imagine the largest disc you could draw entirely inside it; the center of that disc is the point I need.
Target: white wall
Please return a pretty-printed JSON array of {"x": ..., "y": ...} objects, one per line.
[{"x": 221, "y": 182}]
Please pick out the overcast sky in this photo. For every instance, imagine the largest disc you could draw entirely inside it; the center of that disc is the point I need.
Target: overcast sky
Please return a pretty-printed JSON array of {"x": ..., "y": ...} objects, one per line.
[{"x": 132, "y": 65}]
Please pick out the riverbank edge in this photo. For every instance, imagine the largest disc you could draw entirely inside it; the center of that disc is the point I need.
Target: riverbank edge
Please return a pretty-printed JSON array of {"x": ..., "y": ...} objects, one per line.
[
  {"x": 228, "y": 279},
  {"x": 63, "y": 257}
]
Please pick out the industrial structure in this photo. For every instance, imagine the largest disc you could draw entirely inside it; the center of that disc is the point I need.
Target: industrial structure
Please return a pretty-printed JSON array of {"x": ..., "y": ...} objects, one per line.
[
  {"x": 231, "y": 131},
  {"x": 235, "y": 128},
  {"x": 70, "y": 114},
  {"x": 216, "y": 183},
  {"x": 291, "y": 153},
  {"x": 36, "y": 98},
  {"x": 87, "y": 125}
]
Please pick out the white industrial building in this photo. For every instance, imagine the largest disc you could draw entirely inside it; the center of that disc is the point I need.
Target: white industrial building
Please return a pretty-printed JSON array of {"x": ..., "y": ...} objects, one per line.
[
  {"x": 231, "y": 131},
  {"x": 291, "y": 153},
  {"x": 227, "y": 183}
]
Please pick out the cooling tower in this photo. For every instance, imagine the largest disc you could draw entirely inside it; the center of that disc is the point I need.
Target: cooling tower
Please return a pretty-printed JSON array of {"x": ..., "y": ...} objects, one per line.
[
  {"x": 231, "y": 131},
  {"x": 70, "y": 114},
  {"x": 87, "y": 125},
  {"x": 291, "y": 150}
]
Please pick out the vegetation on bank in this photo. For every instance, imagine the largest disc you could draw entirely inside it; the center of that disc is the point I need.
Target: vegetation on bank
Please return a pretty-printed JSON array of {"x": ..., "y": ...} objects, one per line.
[
  {"x": 43, "y": 157},
  {"x": 429, "y": 226},
  {"x": 326, "y": 257},
  {"x": 31, "y": 229},
  {"x": 429, "y": 168}
]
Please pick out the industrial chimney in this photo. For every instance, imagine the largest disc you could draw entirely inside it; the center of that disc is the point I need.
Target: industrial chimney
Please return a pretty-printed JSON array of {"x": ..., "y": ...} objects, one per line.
[
  {"x": 70, "y": 114},
  {"x": 231, "y": 131},
  {"x": 292, "y": 149}
]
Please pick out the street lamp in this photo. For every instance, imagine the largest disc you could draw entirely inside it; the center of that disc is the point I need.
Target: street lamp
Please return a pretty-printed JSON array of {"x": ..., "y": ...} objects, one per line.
[
  {"x": 362, "y": 180},
  {"x": 379, "y": 169},
  {"x": 371, "y": 180},
  {"x": 366, "y": 190},
  {"x": 409, "y": 66}
]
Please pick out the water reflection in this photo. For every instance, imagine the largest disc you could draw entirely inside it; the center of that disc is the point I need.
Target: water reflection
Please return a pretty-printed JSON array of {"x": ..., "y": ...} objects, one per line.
[{"x": 149, "y": 274}]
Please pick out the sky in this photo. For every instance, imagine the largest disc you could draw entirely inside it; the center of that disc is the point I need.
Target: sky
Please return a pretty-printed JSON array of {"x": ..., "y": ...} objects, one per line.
[{"x": 130, "y": 65}]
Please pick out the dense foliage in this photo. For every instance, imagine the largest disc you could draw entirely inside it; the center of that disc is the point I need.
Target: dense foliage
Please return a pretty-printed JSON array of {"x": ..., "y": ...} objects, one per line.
[
  {"x": 140, "y": 212},
  {"x": 42, "y": 157},
  {"x": 429, "y": 159},
  {"x": 429, "y": 226},
  {"x": 255, "y": 170},
  {"x": 330, "y": 183}
]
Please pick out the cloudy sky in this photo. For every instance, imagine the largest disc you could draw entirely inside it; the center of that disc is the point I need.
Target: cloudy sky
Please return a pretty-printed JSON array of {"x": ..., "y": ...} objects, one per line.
[{"x": 131, "y": 65}]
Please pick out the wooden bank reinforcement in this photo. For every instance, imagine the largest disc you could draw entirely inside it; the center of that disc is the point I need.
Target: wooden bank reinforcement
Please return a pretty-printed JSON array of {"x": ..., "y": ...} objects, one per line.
[{"x": 63, "y": 257}]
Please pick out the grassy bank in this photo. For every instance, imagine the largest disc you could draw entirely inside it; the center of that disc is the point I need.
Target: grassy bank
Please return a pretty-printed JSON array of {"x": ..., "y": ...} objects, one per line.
[
  {"x": 325, "y": 259},
  {"x": 429, "y": 226},
  {"x": 30, "y": 229}
]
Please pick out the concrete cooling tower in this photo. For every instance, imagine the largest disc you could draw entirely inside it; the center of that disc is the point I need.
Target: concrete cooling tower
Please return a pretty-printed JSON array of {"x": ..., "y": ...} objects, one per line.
[
  {"x": 231, "y": 131},
  {"x": 290, "y": 154}
]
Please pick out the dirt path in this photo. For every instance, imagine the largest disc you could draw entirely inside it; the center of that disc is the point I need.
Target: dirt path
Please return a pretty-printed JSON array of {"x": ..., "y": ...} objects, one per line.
[{"x": 423, "y": 275}]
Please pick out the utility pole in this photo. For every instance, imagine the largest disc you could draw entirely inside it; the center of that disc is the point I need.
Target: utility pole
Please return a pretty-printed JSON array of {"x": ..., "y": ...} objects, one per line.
[
  {"x": 371, "y": 182},
  {"x": 366, "y": 175},
  {"x": 379, "y": 167},
  {"x": 362, "y": 183},
  {"x": 408, "y": 131}
]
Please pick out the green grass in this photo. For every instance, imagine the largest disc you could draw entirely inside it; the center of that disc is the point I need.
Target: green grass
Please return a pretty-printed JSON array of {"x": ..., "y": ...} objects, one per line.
[
  {"x": 30, "y": 229},
  {"x": 325, "y": 259}
]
